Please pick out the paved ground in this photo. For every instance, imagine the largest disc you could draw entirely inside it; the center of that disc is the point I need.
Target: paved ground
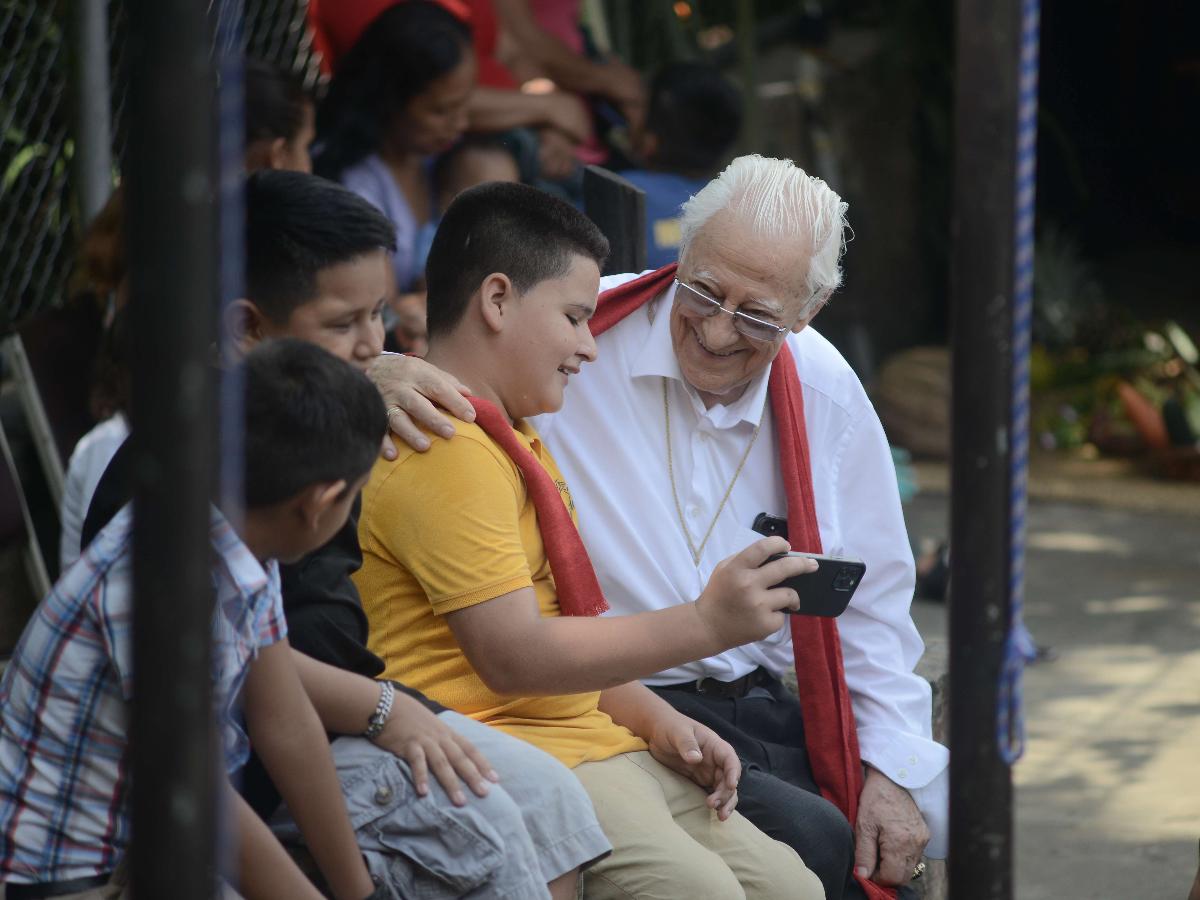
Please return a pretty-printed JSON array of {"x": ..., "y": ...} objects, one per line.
[{"x": 1108, "y": 793}]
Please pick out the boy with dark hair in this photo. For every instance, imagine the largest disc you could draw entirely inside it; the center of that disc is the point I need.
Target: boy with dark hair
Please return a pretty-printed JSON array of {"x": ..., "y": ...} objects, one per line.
[
  {"x": 318, "y": 269},
  {"x": 64, "y": 699},
  {"x": 694, "y": 119},
  {"x": 479, "y": 589}
]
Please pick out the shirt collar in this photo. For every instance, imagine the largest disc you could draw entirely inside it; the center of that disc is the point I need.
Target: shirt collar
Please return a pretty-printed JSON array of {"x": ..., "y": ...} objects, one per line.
[
  {"x": 242, "y": 568},
  {"x": 656, "y": 359}
]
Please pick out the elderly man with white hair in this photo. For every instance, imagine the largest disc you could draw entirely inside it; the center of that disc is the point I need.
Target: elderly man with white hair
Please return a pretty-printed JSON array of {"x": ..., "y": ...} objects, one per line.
[{"x": 712, "y": 401}]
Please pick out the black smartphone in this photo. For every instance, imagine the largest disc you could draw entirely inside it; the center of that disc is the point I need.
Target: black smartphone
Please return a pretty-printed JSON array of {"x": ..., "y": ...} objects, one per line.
[
  {"x": 770, "y": 526},
  {"x": 827, "y": 591}
]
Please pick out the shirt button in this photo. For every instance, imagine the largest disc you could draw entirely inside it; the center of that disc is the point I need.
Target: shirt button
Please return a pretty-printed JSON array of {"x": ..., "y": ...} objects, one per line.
[
  {"x": 383, "y": 794},
  {"x": 902, "y": 774},
  {"x": 693, "y": 511},
  {"x": 912, "y": 760}
]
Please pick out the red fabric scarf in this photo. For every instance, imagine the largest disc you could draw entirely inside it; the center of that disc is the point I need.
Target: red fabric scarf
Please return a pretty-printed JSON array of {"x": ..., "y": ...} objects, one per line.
[
  {"x": 575, "y": 582},
  {"x": 821, "y": 681}
]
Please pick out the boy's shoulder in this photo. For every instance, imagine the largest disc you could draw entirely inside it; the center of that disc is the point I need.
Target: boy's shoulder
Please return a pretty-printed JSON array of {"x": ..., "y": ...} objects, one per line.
[{"x": 467, "y": 457}]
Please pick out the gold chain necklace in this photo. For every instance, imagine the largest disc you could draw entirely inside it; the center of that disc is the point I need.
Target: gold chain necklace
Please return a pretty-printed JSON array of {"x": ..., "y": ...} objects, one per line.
[{"x": 696, "y": 551}]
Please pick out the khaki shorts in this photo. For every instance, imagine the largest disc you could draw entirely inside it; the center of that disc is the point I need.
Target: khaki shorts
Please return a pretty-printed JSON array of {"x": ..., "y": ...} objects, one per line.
[{"x": 668, "y": 845}]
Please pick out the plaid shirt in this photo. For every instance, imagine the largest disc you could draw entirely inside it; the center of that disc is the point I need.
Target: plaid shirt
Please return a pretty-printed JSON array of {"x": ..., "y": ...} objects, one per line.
[{"x": 64, "y": 702}]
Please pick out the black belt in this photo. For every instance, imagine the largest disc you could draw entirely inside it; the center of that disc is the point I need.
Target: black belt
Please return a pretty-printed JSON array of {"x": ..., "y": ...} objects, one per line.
[
  {"x": 711, "y": 687},
  {"x": 54, "y": 888}
]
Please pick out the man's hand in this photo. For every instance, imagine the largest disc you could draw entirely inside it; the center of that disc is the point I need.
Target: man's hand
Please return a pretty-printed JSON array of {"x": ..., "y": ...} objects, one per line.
[
  {"x": 694, "y": 751},
  {"x": 411, "y": 387},
  {"x": 427, "y": 744},
  {"x": 890, "y": 835},
  {"x": 739, "y": 605}
]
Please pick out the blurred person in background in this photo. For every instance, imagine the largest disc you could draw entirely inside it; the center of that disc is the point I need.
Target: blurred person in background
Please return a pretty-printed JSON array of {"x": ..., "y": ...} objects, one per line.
[
  {"x": 279, "y": 128},
  {"x": 694, "y": 120}
]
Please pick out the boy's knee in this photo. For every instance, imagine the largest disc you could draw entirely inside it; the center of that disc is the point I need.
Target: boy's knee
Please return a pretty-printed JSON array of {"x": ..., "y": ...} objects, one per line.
[
  {"x": 691, "y": 875},
  {"x": 783, "y": 876}
]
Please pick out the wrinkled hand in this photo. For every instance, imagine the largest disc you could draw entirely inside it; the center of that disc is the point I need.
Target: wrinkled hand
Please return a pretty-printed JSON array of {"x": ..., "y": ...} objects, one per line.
[
  {"x": 694, "y": 751},
  {"x": 890, "y": 835},
  {"x": 428, "y": 744},
  {"x": 411, "y": 387}
]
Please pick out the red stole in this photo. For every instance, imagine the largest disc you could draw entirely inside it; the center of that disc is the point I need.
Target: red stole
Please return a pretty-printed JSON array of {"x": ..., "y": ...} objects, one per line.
[
  {"x": 821, "y": 681},
  {"x": 575, "y": 582}
]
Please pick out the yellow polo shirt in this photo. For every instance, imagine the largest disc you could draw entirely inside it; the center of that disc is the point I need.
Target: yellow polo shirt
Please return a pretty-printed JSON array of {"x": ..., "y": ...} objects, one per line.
[{"x": 447, "y": 529}]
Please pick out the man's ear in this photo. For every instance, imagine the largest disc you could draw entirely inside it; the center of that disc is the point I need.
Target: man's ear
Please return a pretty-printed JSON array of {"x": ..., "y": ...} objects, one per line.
[
  {"x": 316, "y": 501},
  {"x": 496, "y": 296},
  {"x": 818, "y": 304},
  {"x": 245, "y": 326}
]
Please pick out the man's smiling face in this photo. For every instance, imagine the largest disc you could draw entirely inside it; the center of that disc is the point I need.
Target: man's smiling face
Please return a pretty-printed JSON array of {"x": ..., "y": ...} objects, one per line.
[{"x": 762, "y": 277}]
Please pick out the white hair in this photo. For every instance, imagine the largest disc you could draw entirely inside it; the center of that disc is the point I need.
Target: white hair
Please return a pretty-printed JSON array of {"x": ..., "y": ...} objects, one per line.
[{"x": 776, "y": 198}]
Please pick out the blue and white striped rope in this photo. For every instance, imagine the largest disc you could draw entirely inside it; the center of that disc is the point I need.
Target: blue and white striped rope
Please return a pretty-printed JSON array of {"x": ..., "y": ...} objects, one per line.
[{"x": 1019, "y": 648}]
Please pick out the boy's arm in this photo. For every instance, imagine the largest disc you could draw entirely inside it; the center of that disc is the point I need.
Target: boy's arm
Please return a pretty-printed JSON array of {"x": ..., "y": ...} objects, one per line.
[
  {"x": 344, "y": 702},
  {"x": 678, "y": 742},
  {"x": 515, "y": 650},
  {"x": 288, "y": 737},
  {"x": 264, "y": 868}
]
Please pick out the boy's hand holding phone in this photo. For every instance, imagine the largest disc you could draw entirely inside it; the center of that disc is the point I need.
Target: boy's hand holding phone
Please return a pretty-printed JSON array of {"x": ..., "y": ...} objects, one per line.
[{"x": 740, "y": 604}]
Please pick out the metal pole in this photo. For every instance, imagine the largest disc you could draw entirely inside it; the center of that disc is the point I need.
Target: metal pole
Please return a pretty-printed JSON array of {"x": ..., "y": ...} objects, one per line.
[
  {"x": 93, "y": 135},
  {"x": 747, "y": 46},
  {"x": 980, "y": 864},
  {"x": 172, "y": 234}
]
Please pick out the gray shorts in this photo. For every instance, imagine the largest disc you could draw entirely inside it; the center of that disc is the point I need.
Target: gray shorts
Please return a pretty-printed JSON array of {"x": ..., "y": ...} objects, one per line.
[{"x": 535, "y": 825}]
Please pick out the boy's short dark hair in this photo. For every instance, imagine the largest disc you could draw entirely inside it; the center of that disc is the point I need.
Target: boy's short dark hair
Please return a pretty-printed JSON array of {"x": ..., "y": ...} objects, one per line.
[
  {"x": 297, "y": 225},
  {"x": 696, "y": 114},
  {"x": 310, "y": 419},
  {"x": 514, "y": 229}
]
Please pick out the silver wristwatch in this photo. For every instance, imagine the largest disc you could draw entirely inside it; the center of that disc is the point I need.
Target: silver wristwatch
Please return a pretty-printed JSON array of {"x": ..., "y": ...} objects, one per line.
[{"x": 383, "y": 709}]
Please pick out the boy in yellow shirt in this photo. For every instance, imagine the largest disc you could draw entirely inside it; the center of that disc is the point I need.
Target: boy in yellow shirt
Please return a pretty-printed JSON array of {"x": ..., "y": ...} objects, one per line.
[{"x": 464, "y": 601}]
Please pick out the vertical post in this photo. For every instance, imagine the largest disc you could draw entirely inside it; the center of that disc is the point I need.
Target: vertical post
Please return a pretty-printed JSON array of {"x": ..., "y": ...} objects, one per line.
[
  {"x": 93, "y": 134},
  {"x": 982, "y": 288},
  {"x": 747, "y": 47},
  {"x": 172, "y": 236}
]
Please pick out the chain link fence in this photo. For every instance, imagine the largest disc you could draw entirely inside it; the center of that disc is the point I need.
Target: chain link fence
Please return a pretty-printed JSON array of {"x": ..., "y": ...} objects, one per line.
[
  {"x": 37, "y": 220},
  {"x": 39, "y": 208}
]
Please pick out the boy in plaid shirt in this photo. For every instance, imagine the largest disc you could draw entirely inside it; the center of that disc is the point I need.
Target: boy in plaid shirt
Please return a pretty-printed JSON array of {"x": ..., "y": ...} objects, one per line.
[{"x": 313, "y": 429}]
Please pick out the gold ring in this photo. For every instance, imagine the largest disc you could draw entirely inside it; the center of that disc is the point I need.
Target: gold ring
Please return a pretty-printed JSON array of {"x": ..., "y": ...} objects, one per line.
[{"x": 918, "y": 870}]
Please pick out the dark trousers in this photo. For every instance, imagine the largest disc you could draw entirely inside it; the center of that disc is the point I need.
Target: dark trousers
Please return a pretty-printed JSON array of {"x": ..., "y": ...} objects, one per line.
[{"x": 777, "y": 791}]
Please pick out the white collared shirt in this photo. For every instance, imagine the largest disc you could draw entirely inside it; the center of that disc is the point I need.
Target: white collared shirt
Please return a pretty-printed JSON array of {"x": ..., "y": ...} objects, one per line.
[{"x": 610, "y": 442}]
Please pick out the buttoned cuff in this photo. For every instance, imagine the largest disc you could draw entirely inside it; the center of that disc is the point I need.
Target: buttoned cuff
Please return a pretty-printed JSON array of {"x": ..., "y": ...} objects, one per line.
[{"x": 920, "y": 766}]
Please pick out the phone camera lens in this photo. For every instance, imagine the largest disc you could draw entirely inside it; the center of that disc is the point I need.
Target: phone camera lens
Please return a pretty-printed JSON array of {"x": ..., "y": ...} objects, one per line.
[{"x": 844, "y": 580}]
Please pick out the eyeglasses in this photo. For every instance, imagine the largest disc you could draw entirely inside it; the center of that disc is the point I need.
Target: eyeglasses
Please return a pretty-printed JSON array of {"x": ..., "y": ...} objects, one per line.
[{"x": 699, "y": 305}]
